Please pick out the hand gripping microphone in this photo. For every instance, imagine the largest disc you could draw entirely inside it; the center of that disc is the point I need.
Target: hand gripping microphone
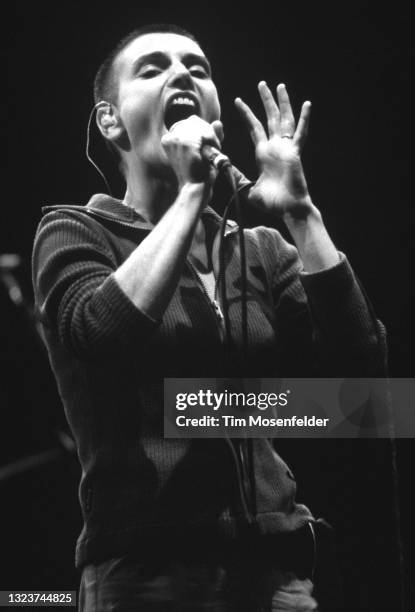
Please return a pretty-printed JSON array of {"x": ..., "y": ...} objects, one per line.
[
  {"x": 215, "y": 157},
  {"x": 212, "y": 155}
]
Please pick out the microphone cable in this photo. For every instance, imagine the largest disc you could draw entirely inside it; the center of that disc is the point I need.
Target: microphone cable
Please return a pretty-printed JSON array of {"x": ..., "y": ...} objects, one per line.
[
  {"x": 232, "y": 175},
  {"x": 246, "y": 444},
  {"x": 229, "y": 173}
]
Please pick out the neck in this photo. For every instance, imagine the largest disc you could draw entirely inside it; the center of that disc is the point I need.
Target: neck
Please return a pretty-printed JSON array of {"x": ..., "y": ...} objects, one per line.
[
  {"x": 148, "y": 194},
  {"x": 200, "y": 253},
  {"x": 151, "y": 196}
]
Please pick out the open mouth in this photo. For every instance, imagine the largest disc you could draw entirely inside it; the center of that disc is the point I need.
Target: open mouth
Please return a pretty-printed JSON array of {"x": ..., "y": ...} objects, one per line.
[{"x": 180, "y": 106}]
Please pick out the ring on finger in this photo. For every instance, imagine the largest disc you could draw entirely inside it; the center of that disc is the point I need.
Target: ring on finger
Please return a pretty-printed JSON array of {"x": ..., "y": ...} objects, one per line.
[{"x": 287, "y": 136}]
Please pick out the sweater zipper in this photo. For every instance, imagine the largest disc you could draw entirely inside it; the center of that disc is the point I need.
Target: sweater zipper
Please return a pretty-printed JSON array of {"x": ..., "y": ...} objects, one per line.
[
  {"x": 213, "y": 303},
  {"x": 244, "y": 485},
  {"x": 241, "y": 461},
  {"x": 242, "y": 472}
]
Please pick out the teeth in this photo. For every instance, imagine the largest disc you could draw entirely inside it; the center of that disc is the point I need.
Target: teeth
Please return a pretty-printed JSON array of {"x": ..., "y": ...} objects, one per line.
[{"x": 183, "y": 101}]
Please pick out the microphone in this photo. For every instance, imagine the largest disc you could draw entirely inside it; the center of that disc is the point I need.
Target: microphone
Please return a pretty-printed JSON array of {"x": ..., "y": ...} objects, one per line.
[
  {"x": 215, "y": 157},
  {"x": 212, "y": 155}
]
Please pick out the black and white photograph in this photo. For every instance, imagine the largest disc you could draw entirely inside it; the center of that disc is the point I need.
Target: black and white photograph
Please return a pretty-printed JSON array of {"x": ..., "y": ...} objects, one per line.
[{"x": 207, "y": 202}]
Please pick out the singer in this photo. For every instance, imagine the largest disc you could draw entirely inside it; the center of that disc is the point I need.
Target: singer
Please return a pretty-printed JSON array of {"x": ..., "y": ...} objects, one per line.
[{"x": 126, "y": 290}]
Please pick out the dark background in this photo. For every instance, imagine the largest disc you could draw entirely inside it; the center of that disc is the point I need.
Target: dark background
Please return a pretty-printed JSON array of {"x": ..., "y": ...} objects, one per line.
[{"x": 355, "y": 63}]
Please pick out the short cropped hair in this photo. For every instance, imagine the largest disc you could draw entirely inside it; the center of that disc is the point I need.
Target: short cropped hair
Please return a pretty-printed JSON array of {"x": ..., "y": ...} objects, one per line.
[{"x": 105, "y": 82}]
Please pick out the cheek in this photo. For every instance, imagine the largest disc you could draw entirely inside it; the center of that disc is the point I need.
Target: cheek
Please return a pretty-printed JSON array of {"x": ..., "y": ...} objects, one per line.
[
  {"x": 137, "y": 122},
  {"x": 139, "y": 115},
  {"x": 215, "y": 112},
  {"x": 213, "y": 107}
]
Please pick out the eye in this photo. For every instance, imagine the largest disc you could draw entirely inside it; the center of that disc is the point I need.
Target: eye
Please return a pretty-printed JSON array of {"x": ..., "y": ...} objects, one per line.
[
  {"x": 149, "y": 72},
  {"x": 199, "y": 72}
]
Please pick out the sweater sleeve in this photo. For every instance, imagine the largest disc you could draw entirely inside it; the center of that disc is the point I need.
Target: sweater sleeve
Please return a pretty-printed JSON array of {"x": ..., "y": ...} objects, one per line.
[
  {"x": 326, "y": 322},
  {"x": 76, "y": 295}
]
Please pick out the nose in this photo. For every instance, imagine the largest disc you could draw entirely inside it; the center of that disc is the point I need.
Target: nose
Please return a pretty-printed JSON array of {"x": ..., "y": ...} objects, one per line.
[{"x": 180, "y": 76}]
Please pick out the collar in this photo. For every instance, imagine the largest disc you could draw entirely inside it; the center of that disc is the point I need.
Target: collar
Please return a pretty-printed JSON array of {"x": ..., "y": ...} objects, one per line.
[
  {"x": 106, "y": 207},
  {"x": 112, "y": 209}
]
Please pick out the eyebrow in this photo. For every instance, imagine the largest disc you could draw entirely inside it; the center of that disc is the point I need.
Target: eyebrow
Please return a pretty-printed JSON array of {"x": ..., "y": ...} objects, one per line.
[{"x": 162, "y": 58}]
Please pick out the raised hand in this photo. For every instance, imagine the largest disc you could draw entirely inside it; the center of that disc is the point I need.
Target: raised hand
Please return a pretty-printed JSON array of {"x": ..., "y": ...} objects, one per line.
[{"x": 281, "y": 187}]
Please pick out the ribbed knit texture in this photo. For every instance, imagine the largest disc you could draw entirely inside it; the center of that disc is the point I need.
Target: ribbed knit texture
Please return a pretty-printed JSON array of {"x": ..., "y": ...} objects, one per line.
[{"x": 110, "y": 359}]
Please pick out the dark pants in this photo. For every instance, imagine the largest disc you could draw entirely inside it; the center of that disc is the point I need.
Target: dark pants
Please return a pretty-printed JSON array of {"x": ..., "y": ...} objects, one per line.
[
  {"x": 121, "y": 585},
  {"x": 245, "y": 578}
]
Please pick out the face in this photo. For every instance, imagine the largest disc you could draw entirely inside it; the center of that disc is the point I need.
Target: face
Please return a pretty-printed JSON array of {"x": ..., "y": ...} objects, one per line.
[{"x": 162, "y": 78}]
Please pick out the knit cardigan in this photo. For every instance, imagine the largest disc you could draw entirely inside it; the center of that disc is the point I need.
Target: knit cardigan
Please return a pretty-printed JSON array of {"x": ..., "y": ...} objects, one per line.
[{"x": 109, "y": 360}]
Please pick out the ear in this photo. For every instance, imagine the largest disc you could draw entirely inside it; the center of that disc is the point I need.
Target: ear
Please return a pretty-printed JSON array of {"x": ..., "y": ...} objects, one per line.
[{"x": 109, "y": 122}]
